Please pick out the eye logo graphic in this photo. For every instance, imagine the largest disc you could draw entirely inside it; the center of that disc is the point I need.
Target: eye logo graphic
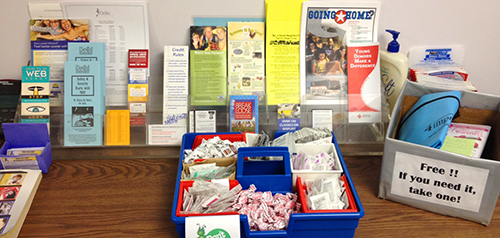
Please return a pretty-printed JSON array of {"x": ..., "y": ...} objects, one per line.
[
  {"x": 215, "y": 233},
  {"x": 36, "y": 89},
  {"x": 35, "y": 109}
]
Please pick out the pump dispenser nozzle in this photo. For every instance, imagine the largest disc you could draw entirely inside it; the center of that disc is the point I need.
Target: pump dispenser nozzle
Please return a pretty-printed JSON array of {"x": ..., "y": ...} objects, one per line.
[{"x": 393, "y": 46}]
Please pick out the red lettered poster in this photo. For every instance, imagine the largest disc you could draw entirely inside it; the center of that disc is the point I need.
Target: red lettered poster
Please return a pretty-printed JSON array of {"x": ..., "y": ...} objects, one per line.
[{"x": 363, "y": 83}]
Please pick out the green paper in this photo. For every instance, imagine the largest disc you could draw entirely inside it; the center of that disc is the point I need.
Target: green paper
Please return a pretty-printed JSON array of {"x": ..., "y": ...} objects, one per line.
[{"x": 461, "y": 146}]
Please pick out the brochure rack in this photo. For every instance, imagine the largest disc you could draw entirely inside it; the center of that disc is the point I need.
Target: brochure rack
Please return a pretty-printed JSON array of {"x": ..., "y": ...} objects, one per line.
[
  {"x": 325, "y": 224},
  {"x": 369, "y": 134}
]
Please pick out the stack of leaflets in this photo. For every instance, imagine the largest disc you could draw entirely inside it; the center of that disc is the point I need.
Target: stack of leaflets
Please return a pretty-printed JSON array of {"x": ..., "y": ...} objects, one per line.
[
  {"x": 17, "y": 190},
  {"x": 25, "y": 151},
  {"x": 85, "y": 90}
]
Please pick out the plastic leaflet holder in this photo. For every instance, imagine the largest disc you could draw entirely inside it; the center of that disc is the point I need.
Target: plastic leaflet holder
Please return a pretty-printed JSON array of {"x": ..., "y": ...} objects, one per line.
[{"x": 22, "y": 135}]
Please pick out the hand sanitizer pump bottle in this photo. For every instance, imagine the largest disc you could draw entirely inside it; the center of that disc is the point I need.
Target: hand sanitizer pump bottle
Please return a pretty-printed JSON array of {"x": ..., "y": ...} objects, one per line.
[{"x": 393, "y": 70}]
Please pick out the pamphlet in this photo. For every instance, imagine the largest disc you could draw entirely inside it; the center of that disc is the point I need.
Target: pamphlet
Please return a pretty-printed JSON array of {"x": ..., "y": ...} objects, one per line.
[
  {"x": 35, "y": 106},
  {"x": 138, "y": 74},
  {"x": 244, "y": 113},
  {"x": 83, "y": 112},
  {"x": 117, "y": 127},
  {"x": 49, "y": 47},
  {"x": 91, "y": 51},
  {"x": 25, "y": 151},
  {"x": 365, "y": 97},
  {"x": 327, "y": 30},
  {"x": 208, "y": 65},
  {"x": 246, "y": 59},
  {"x": 466, "y": 139}
]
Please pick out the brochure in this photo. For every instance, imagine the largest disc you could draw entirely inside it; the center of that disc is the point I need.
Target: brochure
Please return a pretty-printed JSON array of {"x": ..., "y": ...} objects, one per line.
[
  {"x": 463, "y": 137},
  {"x": 91, "y": 51},
  {"x": 117, "y": 130},
  {"x": 35, "y": 106},
  {"x": 244, "y": 113},
  {"x": 364, "y": 94},
  {"x": 138, "y": 90},
  {"x": 83, "y": 112},
  {"x": 49, "y": 47},
  {"x": 207, "y": 58},
  {"x": 327, "y": 30},
  {"x": 246, "y": 59}
]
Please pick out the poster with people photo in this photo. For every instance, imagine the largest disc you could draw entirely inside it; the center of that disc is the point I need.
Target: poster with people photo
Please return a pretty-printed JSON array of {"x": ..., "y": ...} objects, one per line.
[
  {"x": 208, "y": 64},
  {"x": 49, "y": 47},
  {"x": 327, "y": 29}
]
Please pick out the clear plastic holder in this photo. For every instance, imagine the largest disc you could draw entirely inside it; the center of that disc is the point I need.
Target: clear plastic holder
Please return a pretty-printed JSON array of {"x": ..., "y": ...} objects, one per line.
[{"x": 349, "y": 135}]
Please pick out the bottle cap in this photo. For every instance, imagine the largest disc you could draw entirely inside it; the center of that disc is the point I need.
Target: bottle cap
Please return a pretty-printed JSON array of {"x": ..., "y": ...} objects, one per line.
[{"x": 393, "y": 46}]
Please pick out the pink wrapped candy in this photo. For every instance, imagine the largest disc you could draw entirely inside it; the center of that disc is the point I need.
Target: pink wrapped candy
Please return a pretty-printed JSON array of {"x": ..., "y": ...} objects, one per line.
[{"x": 266, "y": 212}]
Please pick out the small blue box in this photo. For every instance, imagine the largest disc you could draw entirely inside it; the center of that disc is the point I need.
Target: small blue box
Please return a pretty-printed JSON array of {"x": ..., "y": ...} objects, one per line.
[
  {"x": 25, "y": 135},
  {"x": 266, "y": 175}
]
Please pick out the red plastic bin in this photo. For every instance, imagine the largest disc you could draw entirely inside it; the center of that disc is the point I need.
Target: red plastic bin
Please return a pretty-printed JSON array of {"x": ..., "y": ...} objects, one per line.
[
  {"x": 187, "y": 184},
  {"x": 301, "y": 190},
  {"x": 231, "y": 137}
]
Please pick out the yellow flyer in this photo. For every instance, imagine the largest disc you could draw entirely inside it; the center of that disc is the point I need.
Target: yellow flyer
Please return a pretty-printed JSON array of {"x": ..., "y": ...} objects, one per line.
[
  {"x": 137, "y": 92},
  {"x": 282, "y": 51}
]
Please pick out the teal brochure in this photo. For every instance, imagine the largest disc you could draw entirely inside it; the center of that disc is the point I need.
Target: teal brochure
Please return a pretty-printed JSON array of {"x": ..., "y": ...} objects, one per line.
[{"x": 83, "y": 112}]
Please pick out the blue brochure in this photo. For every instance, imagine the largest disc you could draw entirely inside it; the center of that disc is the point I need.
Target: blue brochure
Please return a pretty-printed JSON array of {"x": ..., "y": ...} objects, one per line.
[
  {"x": 83, "y": 106},
  {"x": 90, "y": 51},
  {"x": 429, "y": 119},
  {"x": 244, "y": 113}
]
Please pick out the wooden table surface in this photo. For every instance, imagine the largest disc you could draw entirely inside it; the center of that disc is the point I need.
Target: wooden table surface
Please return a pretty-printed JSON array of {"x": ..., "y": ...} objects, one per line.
[{"x": 133, "y": 198}]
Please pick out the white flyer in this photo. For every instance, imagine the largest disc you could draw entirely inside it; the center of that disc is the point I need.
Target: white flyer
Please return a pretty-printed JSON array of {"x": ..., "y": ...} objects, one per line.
[
  {"x": 322, "y": 119},
  {"x": 175, "y": 90},
  {"x": 204, "y": 121},
  {"x": 122, "y": 26}
]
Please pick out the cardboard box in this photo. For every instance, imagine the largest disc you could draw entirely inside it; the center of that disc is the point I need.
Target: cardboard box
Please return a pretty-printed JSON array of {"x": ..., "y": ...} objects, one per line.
[
  {"x": 440, "y": 181},
  {"x": 23, "y": 135}
]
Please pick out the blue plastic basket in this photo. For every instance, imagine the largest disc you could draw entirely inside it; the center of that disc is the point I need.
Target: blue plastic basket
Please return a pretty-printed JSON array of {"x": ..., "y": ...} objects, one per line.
[
  {"x": 300, "y": 224},
  {"x": 266, "y": 175}
]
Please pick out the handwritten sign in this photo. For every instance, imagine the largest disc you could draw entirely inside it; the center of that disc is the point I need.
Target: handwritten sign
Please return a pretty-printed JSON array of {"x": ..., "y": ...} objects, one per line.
[{"x": 439, "y": 182}]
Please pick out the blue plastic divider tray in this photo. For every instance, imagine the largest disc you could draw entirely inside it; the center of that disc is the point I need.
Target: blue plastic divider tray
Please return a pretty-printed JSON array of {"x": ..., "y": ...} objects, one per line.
[{"x": 300, "y": 224}]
